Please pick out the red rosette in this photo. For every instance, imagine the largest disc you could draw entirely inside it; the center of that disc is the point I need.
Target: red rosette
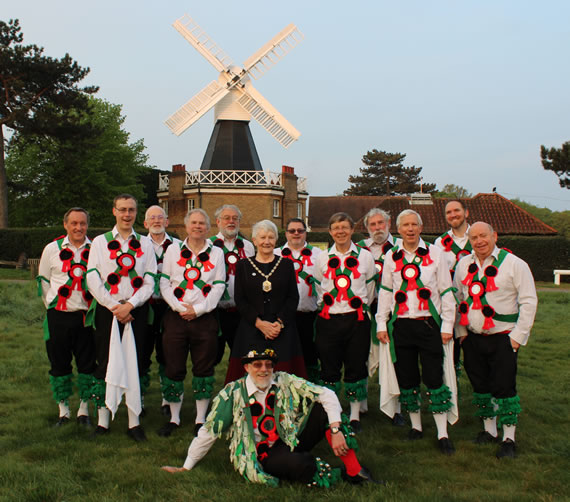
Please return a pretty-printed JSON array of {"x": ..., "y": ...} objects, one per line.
[
  {"x": 286, "y": 253},
  {"x": 262, "y": 449},
  {"x": 240, "y": 247},
  {"x": 423, "y": 253},
  {"x": 165, "y": 245},
  {"x": 489, "y": 313},
  {"x": 410, "y": 273},
  {"x": 447, "y": 242},
  {"x": 270, "y": 401},
  {"x": 135, "y": 245},
  {"x": 306, "y": 254},
  {"x": 179, "y": 293},
  {"x": 471, "y": 271},
  {"x": 309, "y": 283},
  {"x": 191, "y": 275},
  {"x": 424, "y": 295},
  {"x": 356, "y": 303},
  {"x": 185, "y": 255},
  {"x": 298, "y": 266},
  {"x": 127, "y": 262},
  {"x": 113, "y": 280},
  {"x": 386, "y": 247},
  {"x": 351, "y": 263},
  {"x": 63, "y": 293},
  {"x": 85, "y": 255},
  {"x": 256, "y": 410},
  {"x": 88, "y": 297},
  {"x": 231, "y": 260},
  {"x": 76, "y": 274},
  {"x": 342, "y": 284},
  {"x": 268, "y": 427},
  {"x": 401, "y": 298},
  {"x": 332, "y": 265},
  {"x": 398, "y": 258},
  {"x": 379, "y": 267},
  {"x": 113, "y": 246},
  {"x": 65, "y": 255},
  {"x": 136, "y": 283},
  {"x": 204, "y": 259},
  {"x": 463, "y": 310},
  {"x": 476, "y": 291},
  {"x": 490, "y": 273},
  {"x": 206, "y": 288},
  {"x": 219, "y": 243},
  {"x": 328, "y": 301},
  {"x": 461, "y": 254}
]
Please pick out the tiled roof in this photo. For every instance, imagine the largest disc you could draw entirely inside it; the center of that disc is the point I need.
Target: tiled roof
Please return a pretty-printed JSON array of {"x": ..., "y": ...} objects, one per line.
[{"x": 505, "y": 217}]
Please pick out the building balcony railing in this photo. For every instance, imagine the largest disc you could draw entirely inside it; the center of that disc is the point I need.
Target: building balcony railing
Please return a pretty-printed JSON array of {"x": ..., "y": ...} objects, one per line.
[{"x": 262, "y": 179}]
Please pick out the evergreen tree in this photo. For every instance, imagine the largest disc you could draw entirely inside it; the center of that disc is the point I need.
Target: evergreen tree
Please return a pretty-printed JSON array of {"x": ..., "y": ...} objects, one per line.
[
  {"x": 557, "y": 160},
  {"x": 35, "y": 92},
  {"x": 385, "y": 174}
]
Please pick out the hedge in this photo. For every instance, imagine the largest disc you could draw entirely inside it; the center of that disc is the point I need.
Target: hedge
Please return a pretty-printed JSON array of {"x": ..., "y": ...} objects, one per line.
[{"x": 543, "y": 254}]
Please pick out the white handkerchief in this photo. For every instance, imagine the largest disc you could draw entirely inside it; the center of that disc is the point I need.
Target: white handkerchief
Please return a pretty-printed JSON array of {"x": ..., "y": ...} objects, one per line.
[{"x": 389, "y": 388}]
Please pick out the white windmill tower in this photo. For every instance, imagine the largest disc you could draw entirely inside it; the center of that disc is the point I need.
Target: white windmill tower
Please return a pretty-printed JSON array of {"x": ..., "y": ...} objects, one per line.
[{"x": 235, "y": 100}]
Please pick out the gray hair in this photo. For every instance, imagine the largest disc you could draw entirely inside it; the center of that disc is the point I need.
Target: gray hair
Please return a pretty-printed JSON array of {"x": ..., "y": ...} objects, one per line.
[
  {"x": 376, "y": 211},
  {"x": 408, "y": 212},
  {"x": 154, "y": 207},
  {"x": 227, "y": 206},
  {"x": 266, "y": 225},
  {"x": 197, "y": 210},
  {"x": 488, "y": 225}
]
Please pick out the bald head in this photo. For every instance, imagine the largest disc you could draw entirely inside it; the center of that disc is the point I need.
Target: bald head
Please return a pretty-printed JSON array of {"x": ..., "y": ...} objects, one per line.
[{"x": 483, "y": 239}]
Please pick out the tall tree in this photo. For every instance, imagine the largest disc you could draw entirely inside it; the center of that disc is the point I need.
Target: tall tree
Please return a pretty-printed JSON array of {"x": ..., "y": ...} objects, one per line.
[
  {"x": 557, "y": 160},
  {"x": 34, "y": 89},
  {"x": 455, "y": 191},
  {"x": 385, "y": 174},
  {"x": 47, "y": 175}
]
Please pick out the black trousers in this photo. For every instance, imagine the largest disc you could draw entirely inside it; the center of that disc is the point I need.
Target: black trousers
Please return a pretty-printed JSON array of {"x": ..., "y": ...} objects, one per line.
[
  {"x": 299, "y": 464},
  {"x": 153, "y": 339},
  {"x": 199, "y": 337},
  {"x": 306, "y": 328},
  {"x": 103, "y": 324},
  {"x": 343, "y": 340},
  {"x": 491, "y": 364},
  {"x": 68, "y": 337},
  {"x": 418, "y": 338},
  {"x": 229, "y": 322}
]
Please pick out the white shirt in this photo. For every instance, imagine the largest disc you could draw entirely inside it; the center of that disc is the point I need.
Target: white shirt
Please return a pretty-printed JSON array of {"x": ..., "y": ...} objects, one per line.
[
  {"x": 230, "y": 245},
  {"x": 362, "y": 287},
  {"x": 307, "y": 303},
  {"x": 516, "y": 293},
  {"x": 101, "y": 265},
  {"x": 51, "y": 270},
  {"x": 434, "y": 277},
  {"x": 377, "y": 251},
  {"x": 159, "y": 254},
  {"x": 200, "y": 445},
  {"x": 461, "y": 242},
  {"x": 173, "y": 275}
]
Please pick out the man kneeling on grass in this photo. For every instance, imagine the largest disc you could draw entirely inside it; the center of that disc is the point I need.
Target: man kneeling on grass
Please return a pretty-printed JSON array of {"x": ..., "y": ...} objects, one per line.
[{"x": 274, "y": 420}]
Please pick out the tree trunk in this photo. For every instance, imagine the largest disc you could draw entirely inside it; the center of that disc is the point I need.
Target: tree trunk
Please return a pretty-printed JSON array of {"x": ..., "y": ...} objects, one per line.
[{"x": 3, "y": 184}]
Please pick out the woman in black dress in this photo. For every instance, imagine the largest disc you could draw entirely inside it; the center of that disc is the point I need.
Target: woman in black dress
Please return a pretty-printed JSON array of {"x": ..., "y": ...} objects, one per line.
[{"x": 266, "y": 296}]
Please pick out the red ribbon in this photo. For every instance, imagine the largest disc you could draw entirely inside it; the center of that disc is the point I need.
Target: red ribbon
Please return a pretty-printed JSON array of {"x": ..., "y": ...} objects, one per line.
[
  {"x": 464, "y": 310},
  {"x": 310, "y": 284},
  {"x": 471, "y": 271},
  {"x": 342, "y": 293},
  {"x": 398, "y": 260},
  {"x": 306, "y": 258},
  {"x": 447, "y": 242},
  {"x": 476, "y": 295},
  {"x": 207, "y": 265},
  {"x": 351, "y": 263},
  {"x": 331, "y": 272},
  {"x": 61, "y": 303},
  {"x": 423, "y": 302}
]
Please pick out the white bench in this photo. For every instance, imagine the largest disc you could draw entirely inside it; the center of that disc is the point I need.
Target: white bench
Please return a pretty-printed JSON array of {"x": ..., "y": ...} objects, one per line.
[{"x": 558, "y": 273}]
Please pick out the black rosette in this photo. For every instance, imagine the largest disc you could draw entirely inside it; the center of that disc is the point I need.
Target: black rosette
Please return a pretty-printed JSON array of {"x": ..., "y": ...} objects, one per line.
[
  {"x": 351, "y": 262},
  {"x": 219, "y": 243},
  {"x": 204, "y": 256},
  {"x": 206, "y": 288},
  {"x": 65, "y": 254},
  {"x": 333, "y": 262},
  {"x": 239, "y": 244},
  {"x": 135, "y": 245},
  {"x": 398, "y": 255},
  {"x": 463, "y": 308},
  {"x": 401, "y": 297},
  {"x": 179, "y": 293},
  {"x": 488, "y": 311},
  {"x": 306, "y": 252},
  {"x": 113, "y": 245},
  {"x": 328, "y": 299},
  {"x": 185, "y": 253},
  {"x": 270, "y": 401},
  {"x": 136, "y": 282},
  {"x": 64, "y": 291},
  {"x": 286, "y": 252},
  {"x": 85, "y": 255},
  {"x": 355, "y": 302},
  {"x": 113, "y": 279}
]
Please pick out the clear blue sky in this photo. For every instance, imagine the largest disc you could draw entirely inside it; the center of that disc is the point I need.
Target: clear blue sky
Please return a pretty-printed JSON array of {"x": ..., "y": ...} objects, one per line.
[{"x": 468, "y": 89}]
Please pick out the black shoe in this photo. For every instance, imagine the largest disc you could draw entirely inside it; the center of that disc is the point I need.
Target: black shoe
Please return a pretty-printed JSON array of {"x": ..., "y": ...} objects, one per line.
[
  {"x": 100, "y": 431},
  {"x": 142, "y": 413},
  {"x": 364, "y": 476},
  {"x": 507, "y": 449},
  {"x": 137, "y": 433},
  {"x": 415, "y": 434},
  {"x": 398, "y": 420},
  {"x": 84, "y": 421},
  {"x": 356, "y": 426},
  {"x": 197, "y": 427},
  {"x": 167, "y": 429},
  {"x": 446, "y": 446},
  {"x": 485, "y": 438},
  {"x": 61, "y": 421},
  {"x": 165, "y": 410}
]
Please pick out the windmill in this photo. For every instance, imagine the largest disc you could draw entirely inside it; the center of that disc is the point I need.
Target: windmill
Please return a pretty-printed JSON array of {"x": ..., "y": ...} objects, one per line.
[{"x": 235, "y": 100}]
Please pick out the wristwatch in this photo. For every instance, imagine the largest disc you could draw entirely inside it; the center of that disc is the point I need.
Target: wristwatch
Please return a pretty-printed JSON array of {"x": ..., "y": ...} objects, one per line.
[{"x": 335, "y": 430}]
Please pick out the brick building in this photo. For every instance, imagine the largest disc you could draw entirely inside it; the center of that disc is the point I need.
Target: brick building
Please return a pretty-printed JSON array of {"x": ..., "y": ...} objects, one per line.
[{"x": 259, "y": 195}]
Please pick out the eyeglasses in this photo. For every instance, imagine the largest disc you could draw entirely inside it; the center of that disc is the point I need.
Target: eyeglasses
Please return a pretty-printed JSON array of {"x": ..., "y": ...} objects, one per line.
[
  {"x": 155, "y": 218},
  {"x": 296, "y": 231},
  {"x": 123, "y": 210},
  {"x": 230, "y": 218},
  {"x": 262, "y": 364}
]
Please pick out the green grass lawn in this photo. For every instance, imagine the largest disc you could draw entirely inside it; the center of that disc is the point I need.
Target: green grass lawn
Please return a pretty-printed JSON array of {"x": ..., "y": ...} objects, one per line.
[{"x": 40, "y": 463}]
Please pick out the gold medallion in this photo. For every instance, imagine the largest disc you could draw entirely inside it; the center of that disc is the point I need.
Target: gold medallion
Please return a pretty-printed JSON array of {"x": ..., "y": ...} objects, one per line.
[{"x": 266, "y": 286}]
